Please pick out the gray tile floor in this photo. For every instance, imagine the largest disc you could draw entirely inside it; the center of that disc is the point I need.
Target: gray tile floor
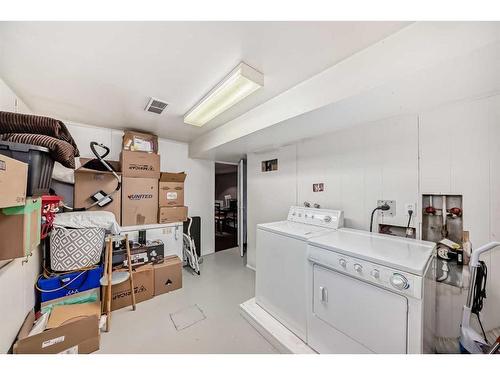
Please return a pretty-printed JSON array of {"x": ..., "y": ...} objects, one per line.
[{"x": 224, "y": 283}]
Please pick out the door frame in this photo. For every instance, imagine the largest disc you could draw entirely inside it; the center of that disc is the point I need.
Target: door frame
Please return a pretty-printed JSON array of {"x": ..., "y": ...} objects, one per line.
[{"x": 237, "y": 189}]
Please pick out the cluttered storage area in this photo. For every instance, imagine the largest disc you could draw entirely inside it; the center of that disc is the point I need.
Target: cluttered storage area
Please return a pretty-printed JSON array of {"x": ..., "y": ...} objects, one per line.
[{"x": 90, "y": 219}]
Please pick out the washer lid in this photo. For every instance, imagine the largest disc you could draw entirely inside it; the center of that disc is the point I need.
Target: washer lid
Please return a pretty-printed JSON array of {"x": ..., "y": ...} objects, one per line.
[
  {"x": 292, "y": 229},
  {"x": 395, "y": 252}
]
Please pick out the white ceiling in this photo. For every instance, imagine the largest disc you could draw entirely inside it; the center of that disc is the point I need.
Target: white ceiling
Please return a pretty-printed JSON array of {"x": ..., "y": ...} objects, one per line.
[
  {"x": 472, "y": 75},
  {"x": 103, "y": 73}
]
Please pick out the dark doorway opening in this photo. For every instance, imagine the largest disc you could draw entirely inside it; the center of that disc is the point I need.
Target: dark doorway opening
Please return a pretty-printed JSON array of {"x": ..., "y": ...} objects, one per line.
[{"x": 226, "y": 206}]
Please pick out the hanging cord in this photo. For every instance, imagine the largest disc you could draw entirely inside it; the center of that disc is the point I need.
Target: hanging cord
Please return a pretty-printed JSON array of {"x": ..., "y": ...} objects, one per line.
[
  {"x": 480, "y": 293},
  {"x": 410, "y": 213},
  {"x": 383, "y": 207}
]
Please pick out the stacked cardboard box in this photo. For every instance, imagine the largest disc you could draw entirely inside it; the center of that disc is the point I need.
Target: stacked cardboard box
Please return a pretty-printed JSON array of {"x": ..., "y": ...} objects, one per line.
[
  {"x": 90, "y": 181},
  {"x": 171, "y": 198},
  {"x": 20, "y": 216},
  {"x": 66, "y": 329},
  {"x": 149, "y": 280},
  {"x": 140, "y": 164}
]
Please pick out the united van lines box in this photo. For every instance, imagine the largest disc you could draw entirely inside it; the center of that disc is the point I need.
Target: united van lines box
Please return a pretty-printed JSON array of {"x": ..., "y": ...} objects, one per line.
[
  {"x": 20, "y": 229},
  {"x": 143, "y": 286},
  {"x": 89, "y": 181},
  {"x": 13, "y": 181},
  {"x": 139, "y": 201},
  {"x": 171, "y": 189},
  {"x": 140, "y": 164},
  {"x": 79, "y": 336},
  {"x": 172, "y": 214},
  {"x": 168, "y": 275}
]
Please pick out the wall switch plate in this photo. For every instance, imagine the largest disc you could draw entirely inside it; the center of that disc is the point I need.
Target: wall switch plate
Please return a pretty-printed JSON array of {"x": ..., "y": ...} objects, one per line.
[{"x": 392, "y": 205}]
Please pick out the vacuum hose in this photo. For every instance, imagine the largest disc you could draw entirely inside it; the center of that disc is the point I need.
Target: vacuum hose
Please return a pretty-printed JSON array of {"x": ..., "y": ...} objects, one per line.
[{"x": 479, "y": 293}]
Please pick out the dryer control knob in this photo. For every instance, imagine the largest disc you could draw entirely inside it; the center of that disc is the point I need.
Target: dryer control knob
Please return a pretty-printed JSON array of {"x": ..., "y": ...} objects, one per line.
[
  {"x": 375, "y": 274},
  {"x": 358, "y": 268},
  {"x": 398, "y": 281},
  {"x": 343, "y": 263}
]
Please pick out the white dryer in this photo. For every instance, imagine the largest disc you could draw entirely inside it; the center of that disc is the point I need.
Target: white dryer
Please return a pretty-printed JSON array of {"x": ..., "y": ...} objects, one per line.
[
  {"x": 370, "y": 293},
  {"x": 281, "y": 263}
]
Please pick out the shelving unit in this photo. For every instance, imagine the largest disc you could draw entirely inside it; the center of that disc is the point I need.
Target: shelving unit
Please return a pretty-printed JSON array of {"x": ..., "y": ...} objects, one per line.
[{"x": 138, "y": 228}]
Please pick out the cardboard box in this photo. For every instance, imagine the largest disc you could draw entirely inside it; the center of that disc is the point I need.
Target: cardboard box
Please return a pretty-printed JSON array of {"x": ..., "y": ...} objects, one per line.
[
  {"x": 171, "y": 189},
  {"x": 168, "y": 275},
  {"x": 13, "y": 182},
  {"x": 66, "y": 314},
  {"x": 20, "y": 229},
  {"x": 172, "y": 214},
  {"x": 88, "y": 182},
  {"x": 140, "y": 164},
  {"x": 143, "y": 286},
  {"x": 135, "y": 141},
  {"x": 78, "y": 337},
  {"x": 139, "y": 201},
  {"x": 91, "y": 295}
]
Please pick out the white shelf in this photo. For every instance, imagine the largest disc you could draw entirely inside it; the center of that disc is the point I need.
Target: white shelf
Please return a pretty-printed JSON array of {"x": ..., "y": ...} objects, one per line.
[{"x": 136, "y": 228}]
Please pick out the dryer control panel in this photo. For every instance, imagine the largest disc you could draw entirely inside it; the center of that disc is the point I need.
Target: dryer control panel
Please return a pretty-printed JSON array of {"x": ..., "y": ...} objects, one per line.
[
  {"x": 332, "y": 219},
  {"x": 394, "y": 280}
]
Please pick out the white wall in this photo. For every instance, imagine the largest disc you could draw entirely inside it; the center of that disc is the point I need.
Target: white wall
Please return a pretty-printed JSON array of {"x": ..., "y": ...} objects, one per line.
[
  {"x": 269, "y": 194},
  {"x": 199, "y": 185},
  {"x": 17, "y": 278},
  {"x": 451, "y": 149},
  {"x": 360, "y": 166}
]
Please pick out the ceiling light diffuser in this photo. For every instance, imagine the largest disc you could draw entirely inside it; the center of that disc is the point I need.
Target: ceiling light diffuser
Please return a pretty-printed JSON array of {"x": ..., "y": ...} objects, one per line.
[{"x": 241, "y": 82}]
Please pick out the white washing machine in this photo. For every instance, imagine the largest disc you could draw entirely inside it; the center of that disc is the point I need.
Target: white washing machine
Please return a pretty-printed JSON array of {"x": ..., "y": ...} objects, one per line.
[
  {"x": 281, "y": 259},
  {"x": 370, "y": 293}
]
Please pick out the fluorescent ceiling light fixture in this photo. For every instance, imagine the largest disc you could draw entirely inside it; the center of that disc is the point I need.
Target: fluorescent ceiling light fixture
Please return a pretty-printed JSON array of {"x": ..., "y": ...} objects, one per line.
[{"x": 241, "y": 82}]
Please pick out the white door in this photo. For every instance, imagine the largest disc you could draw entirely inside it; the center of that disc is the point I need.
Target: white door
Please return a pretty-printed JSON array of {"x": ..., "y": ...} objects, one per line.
[
  {"x": 357, "y": 311},
  {"x": 242, "y": 206}
]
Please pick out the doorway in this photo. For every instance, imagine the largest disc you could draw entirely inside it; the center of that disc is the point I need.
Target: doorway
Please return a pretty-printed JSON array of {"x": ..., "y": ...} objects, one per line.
[{"x": 226, "y": 206}]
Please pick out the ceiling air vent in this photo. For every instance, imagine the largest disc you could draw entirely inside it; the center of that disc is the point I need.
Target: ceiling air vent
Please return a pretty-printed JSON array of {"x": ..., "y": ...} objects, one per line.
[{"x": 156, "y": 106}]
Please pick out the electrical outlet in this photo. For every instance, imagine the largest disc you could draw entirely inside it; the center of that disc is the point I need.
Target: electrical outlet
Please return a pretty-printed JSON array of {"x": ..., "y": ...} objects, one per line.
[
  {"x": 391, "y": 211},
  {"x": 410, "y": 207}
]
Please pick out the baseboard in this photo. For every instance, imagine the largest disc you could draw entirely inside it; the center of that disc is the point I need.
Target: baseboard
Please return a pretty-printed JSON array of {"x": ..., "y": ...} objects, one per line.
[
  {"x": 273, "y": 331},
  {"x": 252, "y": 268}
]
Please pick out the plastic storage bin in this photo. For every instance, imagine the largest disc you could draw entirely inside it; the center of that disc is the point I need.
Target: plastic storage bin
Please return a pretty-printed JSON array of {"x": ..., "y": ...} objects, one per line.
[
  {"x": 40, "y": 165},
  {"x": 57, "y": 286}
]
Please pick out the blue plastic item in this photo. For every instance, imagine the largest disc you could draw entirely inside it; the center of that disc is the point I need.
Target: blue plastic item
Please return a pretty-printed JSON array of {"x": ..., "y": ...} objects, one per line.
[{"x": 68, "y": 284}]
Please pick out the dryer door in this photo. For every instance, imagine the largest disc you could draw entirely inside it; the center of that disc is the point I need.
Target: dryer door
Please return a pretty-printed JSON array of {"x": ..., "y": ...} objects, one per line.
[{"x": 359, "y": 312}]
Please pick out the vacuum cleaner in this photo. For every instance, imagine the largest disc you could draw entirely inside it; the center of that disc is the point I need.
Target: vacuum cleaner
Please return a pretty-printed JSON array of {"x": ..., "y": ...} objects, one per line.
[
  {"x": 100, "y": 197},
  {"x": 471, "y": 341}
]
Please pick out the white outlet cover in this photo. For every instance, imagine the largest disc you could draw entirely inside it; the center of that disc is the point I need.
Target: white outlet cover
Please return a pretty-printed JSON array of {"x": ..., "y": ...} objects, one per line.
[{"x": 410, "y": 206}]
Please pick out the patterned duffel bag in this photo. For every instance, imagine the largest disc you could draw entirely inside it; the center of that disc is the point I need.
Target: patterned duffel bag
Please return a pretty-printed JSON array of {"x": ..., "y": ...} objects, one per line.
[{"x": 72, "y": 249}]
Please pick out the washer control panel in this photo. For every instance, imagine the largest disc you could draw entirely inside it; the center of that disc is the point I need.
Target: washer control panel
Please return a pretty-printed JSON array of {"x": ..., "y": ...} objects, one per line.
[
  {"x": 332, "y": 219},
  {"x": 386, "y": 277}
]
